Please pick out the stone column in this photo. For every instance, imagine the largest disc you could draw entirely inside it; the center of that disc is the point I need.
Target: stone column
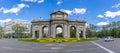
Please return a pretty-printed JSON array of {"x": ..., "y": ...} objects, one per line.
[
  {"x": 53, "y": 31},
  {"x": 84, "y": 30},
  {"x": 33, "y": 32},
  {"x": 77, "y": 31},
  {"x": 49, "y": 33},
  {"x": 80, "y": 32},
  {"x": 68, "y": 36},
  {"x": 40, "y": 31},
  {"x": 65, "y": 31}
]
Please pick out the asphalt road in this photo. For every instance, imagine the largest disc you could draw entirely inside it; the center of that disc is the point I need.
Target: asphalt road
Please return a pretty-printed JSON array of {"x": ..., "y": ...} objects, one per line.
[
  {"x": 99, "y": 46},
  {"x": 113, "y": 46}
]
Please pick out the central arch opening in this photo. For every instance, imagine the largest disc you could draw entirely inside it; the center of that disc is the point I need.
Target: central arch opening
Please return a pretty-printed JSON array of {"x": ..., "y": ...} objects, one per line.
[
  {"x": 59, "y": 31},
  {"x": 73, "y": 32}
]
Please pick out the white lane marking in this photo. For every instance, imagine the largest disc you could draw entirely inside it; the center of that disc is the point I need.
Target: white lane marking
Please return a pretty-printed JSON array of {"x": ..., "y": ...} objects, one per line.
[
  {"x": 41, "y": 47},
  {"x": 20, "y": 49},
  {"x": 4, "y": 41},
  {"x": 61, "y": 44},
  {"x": 48, "y": 50},
  {"x": 103, "y": 47},
  {"x": 9, "y": 48},
  {"x": 56, "y": 48},
  {"x": 74, "y": 50},
  {"x": 93, "y": 48},
  {"x": 55, "y": 45},
  {"x": 80, "y": 45},
  {"x": 49, "y": 44}
]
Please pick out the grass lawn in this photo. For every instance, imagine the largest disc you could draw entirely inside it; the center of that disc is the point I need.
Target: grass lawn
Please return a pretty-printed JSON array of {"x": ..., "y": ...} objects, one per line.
[{"x": 56, "y": 39}]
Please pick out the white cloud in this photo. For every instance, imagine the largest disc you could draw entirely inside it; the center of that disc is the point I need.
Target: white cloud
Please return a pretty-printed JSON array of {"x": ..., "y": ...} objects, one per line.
[
  {"x": 100, "y": 16},
  {"x": 106, "y": 18},
  {"x": 1, "y": 9},
  {"x": 6, "y": 20},
  {"x": 67, "y": 11},
  {"x": 59, "y": 2},
  {"x": 39, "y": 1},
  {"x": 116, "y": 5},
  {"x": 87, "y": 25},
  {"x": 79, "y": 10},
  {"x": 3, "y": 21},
  {"x": 75, "y": 10},
  {"x": 29, "y": 0},
  {"x": 112, "y": 14},
  {"x": 103, "y": 23},
  {"x": 14, "y": 9}
]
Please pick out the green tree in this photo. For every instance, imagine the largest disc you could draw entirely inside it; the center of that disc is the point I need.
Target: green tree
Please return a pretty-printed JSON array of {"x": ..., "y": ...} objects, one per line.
[
  {"x": 1, "y": 31},
  {"x": 88, "y": 32},
  {"x": 59, "y": 35},
  {"x": 18, "y": 30},
  {"x": 91, "y": 30},
  {"x": 8, "y": 35},
  {"x": 72, "y": 32},
  {"x": 112, "y": 29},
  {"x": 104, "y": 30}
]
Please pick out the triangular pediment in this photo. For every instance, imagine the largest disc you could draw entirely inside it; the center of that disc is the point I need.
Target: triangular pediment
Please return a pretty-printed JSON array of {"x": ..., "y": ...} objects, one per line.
[{"x": 59, "y": 12}]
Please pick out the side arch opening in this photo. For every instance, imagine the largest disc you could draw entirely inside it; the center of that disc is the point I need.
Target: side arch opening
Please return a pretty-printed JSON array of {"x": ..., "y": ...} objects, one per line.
[
  {"x": 45, "y": 31},
  {"x": 72, "y": 32}
]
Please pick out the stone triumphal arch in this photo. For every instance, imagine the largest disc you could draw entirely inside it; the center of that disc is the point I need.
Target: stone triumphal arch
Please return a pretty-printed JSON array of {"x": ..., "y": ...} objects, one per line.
[{"x": 57, "y": 19}]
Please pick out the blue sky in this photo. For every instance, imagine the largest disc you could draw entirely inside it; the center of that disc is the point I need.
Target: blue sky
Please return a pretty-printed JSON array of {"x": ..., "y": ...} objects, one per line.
[{"x": 98, "y": 12}]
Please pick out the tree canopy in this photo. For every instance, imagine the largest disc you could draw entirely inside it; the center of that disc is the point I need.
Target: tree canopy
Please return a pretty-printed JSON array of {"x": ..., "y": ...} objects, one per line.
[
  {"x": 1, "y": 31},
  {"x": 18, "y": 30},
  {"x": 112, "y": 29}
]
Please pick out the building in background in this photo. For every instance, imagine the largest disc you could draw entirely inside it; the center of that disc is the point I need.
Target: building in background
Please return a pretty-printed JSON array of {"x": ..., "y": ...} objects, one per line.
[{"x": 24, "y": 23}]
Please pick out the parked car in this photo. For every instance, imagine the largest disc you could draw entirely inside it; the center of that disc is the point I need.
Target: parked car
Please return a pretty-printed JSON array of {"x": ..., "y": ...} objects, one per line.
[{"x": 108, "y": 39}]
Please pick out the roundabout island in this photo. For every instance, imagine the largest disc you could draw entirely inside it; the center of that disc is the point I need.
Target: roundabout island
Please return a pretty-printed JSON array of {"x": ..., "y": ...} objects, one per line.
[{"x": 52, "y": 40}]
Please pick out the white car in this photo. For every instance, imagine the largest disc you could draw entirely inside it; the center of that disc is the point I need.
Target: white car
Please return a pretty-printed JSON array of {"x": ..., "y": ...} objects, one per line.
[{"x": 108, "y": 39}]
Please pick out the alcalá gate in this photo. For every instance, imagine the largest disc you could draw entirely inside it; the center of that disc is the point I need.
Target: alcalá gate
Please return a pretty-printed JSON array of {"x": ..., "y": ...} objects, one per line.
[{"x": 58, "y": 19}]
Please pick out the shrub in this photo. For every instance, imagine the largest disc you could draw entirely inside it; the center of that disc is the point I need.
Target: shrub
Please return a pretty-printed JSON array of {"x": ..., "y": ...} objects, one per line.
[{"x": 56, "y": 39}]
